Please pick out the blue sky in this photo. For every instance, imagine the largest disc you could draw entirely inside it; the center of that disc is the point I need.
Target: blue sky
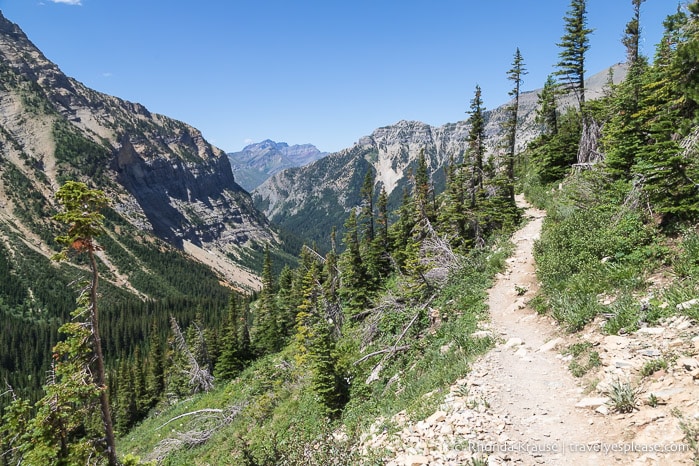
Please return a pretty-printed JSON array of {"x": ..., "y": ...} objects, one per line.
[{"x": 322, "y": 72}]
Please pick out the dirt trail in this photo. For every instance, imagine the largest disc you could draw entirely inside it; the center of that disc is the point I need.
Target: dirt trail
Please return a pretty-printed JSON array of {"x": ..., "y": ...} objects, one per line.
[
  {"x": 525, "y": 378},
  {"x": 521, "y": 405}
]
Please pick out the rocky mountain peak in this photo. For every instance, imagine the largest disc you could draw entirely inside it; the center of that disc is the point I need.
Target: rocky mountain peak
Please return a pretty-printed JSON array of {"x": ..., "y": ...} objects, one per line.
[
  {"x": 162, "y": 174},
  {"x": 257, "y": 162}
]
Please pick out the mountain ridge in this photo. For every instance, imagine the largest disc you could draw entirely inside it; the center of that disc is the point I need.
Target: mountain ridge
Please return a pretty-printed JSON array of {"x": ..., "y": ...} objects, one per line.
[
  {"x": 294, "y": 196},
  {"x": 255, "y": 163},
  {"x": 161, "y": 173}
]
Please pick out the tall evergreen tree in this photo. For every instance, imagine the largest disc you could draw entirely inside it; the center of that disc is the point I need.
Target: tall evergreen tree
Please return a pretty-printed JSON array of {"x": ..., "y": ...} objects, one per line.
[
  {"x": 155, "y": 379},
  {"x": 515, "y": 75},
  {"x": 81, "y": 210},
  {"x": 632, "y": 34},
  {"x": 422, "y": 191},
  {"x": 547, "y": 107},
  {"x": 366, "y": 215},
  {"x": 476, "y": 144},
  {"x": 268, "y": 337},
  {"x": 354, "y": 290},
  {"x": 230, "y": 362},
  {"x": 574, "y": 44},
  {"x": 571, "y": 68}
]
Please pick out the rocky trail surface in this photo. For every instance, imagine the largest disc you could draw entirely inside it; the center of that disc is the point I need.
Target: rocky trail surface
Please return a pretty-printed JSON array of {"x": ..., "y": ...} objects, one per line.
[{"x": 521, "y": 404}]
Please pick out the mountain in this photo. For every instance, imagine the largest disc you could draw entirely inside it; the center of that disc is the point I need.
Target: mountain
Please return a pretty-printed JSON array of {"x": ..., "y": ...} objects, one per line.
[
  {"x": 311, "y": 200},
  {"x": 163, "y": 177},
  {"x": 180, "y": 232},
  {"x": 257, "y": 162}
]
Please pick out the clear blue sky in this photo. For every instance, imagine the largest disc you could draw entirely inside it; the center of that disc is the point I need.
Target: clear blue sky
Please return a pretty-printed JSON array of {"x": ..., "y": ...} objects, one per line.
[{"x": 322, "y": 72}]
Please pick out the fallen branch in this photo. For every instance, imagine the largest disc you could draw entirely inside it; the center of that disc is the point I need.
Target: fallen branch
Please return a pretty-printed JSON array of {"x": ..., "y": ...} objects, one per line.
[
  {"x": 205, "y": 410},
  {"x": 376, "y": 353},
  {"x": 375, "y": 372}
]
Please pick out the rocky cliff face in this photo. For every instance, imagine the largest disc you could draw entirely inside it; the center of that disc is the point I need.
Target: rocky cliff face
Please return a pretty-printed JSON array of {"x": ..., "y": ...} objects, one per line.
[
  {"x": 257, "y": 162},
  {"x": 161, "y": 173},
  {"x": 312, "y": 199}
]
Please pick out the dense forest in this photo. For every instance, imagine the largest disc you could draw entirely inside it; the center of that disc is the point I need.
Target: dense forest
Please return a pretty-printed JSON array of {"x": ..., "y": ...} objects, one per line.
[{"x": 294, "y": 364}]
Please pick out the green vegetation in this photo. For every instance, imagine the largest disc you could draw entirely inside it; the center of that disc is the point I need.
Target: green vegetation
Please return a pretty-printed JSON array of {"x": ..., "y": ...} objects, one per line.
[
  {"x": 356, "y": 333},
  {"x": 623, "y": 397},
  {"x": 651, "y": 367}
]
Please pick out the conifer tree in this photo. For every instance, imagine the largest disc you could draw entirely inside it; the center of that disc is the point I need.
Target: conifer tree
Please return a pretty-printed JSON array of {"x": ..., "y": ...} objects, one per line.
[
  {"x": 354, "y": 291},
  {"x": 230, "y": 362},
  {"x": 267, "y": 330},
  {"x": 454, "y": 213},
  {"x": 155, "y": 379},
  {"x": 476, "y": 143},
  {"x": 547, "y": 108},
  {"x": 315, "y": 343},
  {"x": 667, "y": 173},
  {"x": 401, "y": 231},
  {"x": 515, "y": 75},
  {"x": 624, "y": 136},
  {"x": 632, "y": 34},
  {"x": 422, "y": 191},
  {"x": 81, "y": 210},
  {"x": 571, "y": 68},
  {"x": 286, "y": 302},
  {"x": 366, "y": 215},
  {"x": 379, "y": 264},
  {"x": 574, "y": 44},
  {"x": 139, "y": 384}
]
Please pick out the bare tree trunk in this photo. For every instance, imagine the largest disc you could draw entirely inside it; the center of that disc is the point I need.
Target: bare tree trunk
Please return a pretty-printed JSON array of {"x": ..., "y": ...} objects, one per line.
[{"x": 101, "y": 379}]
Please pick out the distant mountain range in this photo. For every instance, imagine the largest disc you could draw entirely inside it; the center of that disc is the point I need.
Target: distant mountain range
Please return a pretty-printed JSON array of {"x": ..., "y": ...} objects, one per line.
[
  {"x": 257, "y": 162},
  {"x": 311, "y": 200}
]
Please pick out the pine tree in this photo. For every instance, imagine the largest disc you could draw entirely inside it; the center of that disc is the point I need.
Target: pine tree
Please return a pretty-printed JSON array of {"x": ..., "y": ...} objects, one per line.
[
  {"x": 547, "y": 108},
  {"x": 476, "y": 143},
  {"x": 81, "y": 210},
  {"x": 268, "y": 338},
  {"x": 400, "y": 232},
  {"x": 155, "y": 379},
  {"x": 315, "y": 344},
  {"x": 379, "y": 266},
  {"x": 139, "y": 385},
  {"x": 230, "y": 362},
  {"x": 574, "y": 45},
  {"x": 632, "y": 34},
  {"x": 667, "y": 173},
  {"x": 354, "y": 291},
  {"x": 454, "y": 210},
  {"x": 286, "y": 302},
  {"x": 514, "y": 74},
  {"x": 571, "y": 68},
  {"x": 366, "y": 215}
]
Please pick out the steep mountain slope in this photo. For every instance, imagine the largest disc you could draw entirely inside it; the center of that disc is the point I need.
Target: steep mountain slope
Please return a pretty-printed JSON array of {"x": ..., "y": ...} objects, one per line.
[
  {"x": 311, "y": 200},
  {"x": 162, "y": 175},
  {"x": 173, "y": 200},
  {"x": 257, "y": 162}
]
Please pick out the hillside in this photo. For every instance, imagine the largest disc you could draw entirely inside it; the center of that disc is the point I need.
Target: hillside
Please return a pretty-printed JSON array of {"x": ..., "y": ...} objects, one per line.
[
  {"x": 470, "y": 324},
  {"x": 179, "y": 228}
]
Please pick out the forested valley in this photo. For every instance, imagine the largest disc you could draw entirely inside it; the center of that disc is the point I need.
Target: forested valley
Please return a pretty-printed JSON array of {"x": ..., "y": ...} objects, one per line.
[{"x": 295, "y": 373}]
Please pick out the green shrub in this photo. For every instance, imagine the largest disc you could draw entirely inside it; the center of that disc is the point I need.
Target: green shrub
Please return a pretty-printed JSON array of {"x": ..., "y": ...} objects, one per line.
[{"x": 653, "y": 366}]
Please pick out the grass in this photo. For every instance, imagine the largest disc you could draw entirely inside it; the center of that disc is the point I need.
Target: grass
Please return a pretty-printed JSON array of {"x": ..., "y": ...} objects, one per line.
[
  {"x": 651, "y": 367},
  {"x": 580, "y": 365},
  {"x": 282, "y": 422}
]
